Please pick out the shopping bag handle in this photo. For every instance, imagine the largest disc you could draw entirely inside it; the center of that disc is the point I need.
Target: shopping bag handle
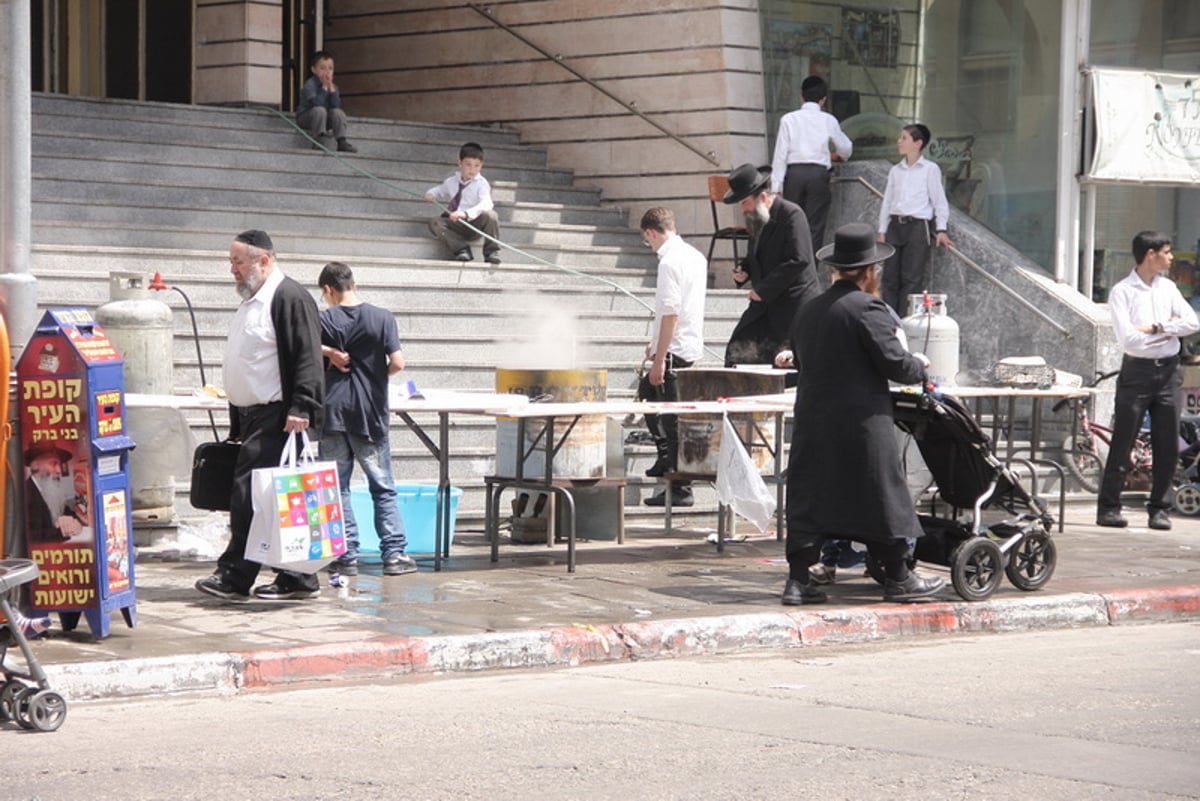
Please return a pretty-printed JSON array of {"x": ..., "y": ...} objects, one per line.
[{"x": 288, "y": 457}]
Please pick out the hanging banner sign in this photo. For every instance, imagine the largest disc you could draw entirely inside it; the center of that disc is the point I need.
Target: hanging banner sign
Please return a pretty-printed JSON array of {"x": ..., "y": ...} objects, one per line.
[{"x": 1147, "y": 127}]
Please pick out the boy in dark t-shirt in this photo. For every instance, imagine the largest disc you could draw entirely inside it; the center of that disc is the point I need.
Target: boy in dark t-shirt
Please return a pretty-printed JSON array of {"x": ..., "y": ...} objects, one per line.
[{"x": 362, "y": 349}]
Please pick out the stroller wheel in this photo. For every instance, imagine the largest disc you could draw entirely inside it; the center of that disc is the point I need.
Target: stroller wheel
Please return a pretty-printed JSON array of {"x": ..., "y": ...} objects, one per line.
[
  {"x": 8, "y": 699},
  {"x": 976, "y": 568},
  {"x": 24, "y": 696},
  {"x": 1187, "y": 499},
  {"x": 47, "y": 710},
  {"x": 1031, "y": 563}
]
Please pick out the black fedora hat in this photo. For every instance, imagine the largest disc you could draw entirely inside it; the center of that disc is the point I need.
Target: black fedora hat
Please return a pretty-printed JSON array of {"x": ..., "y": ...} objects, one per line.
[
  {"x": 854, "y": 245},
  {"x": 46, "y": 448},
  {"x": 745, "y": 181}
]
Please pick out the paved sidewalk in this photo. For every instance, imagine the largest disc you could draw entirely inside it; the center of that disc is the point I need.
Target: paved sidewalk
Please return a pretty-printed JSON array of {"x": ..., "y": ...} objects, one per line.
[{"x": 655, "y": 596}]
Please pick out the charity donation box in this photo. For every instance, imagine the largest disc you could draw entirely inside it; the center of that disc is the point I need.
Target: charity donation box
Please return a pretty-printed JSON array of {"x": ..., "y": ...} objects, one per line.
[{"x": 75, "y": 456}]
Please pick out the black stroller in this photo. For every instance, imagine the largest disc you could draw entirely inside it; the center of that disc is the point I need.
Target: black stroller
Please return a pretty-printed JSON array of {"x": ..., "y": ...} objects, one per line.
[
  {"x": 24, "y": 697},
  {"x": 971, "y": 480}
]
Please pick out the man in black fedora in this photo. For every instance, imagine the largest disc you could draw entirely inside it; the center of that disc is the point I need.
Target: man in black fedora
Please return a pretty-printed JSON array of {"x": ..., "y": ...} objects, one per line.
[
  {"x": 779, "y": 267},
  {"x": 845, "y": 479}
]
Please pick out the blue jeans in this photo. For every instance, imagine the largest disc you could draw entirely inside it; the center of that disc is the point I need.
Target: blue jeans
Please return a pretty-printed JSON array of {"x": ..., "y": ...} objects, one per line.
[{"x": 375, "y": 459}]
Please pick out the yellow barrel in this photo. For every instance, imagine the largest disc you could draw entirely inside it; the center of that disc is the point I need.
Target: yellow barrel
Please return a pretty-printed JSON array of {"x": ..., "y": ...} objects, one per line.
[{"x": 582, "y": 455}]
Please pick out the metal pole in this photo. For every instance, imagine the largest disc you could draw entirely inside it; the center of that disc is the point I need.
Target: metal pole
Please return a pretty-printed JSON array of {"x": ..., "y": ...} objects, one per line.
[
  {"x": 18, "y": 288},
  {"x": 1074, "y": 44}
]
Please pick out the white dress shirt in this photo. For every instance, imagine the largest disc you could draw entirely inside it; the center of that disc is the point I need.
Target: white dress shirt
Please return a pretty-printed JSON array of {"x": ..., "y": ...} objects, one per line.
[
  {"x": 251, "y": 367},
  {"x": 915, "y": 191},
  {"x": 1133, "y": 302},
  {"x": 682, "y": 281},
  {"x": 804, "y": 138},
  {"x": 476, "y": 196}
]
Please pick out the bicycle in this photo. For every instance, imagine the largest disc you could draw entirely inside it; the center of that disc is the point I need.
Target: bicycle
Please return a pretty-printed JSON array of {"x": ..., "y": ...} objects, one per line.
[{"x": 1086, "y": 448}]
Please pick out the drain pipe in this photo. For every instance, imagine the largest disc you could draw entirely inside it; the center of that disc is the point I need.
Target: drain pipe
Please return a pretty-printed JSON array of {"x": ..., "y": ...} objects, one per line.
[{"x": 18, "y": 287}]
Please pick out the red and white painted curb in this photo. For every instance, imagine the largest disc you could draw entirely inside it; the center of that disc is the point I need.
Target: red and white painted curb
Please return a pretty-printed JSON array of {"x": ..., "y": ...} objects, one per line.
[{"x": 566, "y": 646}]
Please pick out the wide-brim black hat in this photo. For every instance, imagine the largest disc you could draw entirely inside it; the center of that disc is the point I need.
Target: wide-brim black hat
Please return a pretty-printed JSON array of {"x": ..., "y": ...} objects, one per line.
[
  {"x": 46, "y": 448},
  {"x": 855, "y": 245},
  {"x": 745, "y": 181}
]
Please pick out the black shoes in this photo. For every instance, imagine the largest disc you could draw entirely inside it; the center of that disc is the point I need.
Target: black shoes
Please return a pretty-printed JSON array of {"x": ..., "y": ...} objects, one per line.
[
  {"x": 463, "y": 255},
  {"x": 217, "y": 587},
  {"x": 797, "y": 594},
  {"x": 1159, "y": 520},
  {"x": 284, "y": 588},
  {"x": 1112, "y": 518},
  {"x": 491, "y": 258},
  {"x": 913, "y": 588},
  {"x": 399, "y": 564},
  {"x": 660, "y": 468},
  {"x": 344, "y": 567},
  {"x": 344, "y": 146},
  {"x": 680, "y": 496}
]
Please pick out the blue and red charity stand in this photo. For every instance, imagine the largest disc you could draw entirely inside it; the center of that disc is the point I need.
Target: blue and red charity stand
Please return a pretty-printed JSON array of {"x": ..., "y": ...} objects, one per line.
[{"x": 78, "y": 515}]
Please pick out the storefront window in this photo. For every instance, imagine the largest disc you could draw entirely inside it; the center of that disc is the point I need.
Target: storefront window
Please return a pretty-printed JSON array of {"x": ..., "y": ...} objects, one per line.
[{"x": 983, "y": 75}]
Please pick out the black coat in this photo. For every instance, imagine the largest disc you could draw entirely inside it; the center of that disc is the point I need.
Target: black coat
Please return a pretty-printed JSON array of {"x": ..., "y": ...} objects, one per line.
[
  {"x": 844, "y": 474},
  {"x": 782, "y": 272}
]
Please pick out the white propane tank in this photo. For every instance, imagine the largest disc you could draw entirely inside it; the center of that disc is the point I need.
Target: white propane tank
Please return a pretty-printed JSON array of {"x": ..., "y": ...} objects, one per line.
[
  {"x": 931, "y": 331},
  {"x": 143, "y": 331}
]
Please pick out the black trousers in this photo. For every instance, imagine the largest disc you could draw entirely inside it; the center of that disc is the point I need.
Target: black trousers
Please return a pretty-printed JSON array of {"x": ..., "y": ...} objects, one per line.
[
  {"x": 807, "y": 185},
  {"x": 664, "y": 427},
  {"x": 1144, "y": 385},
  {"x": 263, "y": 437},
  {"x": 907, "y": 271}
]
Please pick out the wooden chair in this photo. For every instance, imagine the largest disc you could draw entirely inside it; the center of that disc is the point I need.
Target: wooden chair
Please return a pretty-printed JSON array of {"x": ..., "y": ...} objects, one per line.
[{"x": 718, "y": 185}]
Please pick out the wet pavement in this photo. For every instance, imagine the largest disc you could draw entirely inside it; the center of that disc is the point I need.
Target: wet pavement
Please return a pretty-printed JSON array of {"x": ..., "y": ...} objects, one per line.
[{"x": 527, "y": 610}]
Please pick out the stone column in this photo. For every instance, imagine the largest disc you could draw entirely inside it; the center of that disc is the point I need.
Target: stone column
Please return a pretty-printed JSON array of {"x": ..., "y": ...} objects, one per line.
[{"x": 239, "y": 52}]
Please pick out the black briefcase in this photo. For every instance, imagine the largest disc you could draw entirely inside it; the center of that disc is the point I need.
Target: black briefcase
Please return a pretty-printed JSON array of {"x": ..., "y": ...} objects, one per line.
[{"x": 212, "y": 475}]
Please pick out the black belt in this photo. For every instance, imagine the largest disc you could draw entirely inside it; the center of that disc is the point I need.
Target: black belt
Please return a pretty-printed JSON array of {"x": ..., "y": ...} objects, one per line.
[
  {"x": 905, "y": 219},
  {"x": 1165, "y": 361},
  {"x": 258, "y": 407}
]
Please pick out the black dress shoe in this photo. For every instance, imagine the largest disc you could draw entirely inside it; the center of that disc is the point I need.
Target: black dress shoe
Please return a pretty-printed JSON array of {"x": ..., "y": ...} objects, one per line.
[
  {"x": 491, "y": 258},
  {"x": 1112, "y": 518},
  {"x": 680, "y": 496},
  {"x": 797, "y": 594},
  {"x": 913, "y": 588},
  {"x": 464, "y": 255},
  {"x": 344, "y": 146},
  {"x": 1160, "y": 520},
  {"x": 659, "y": 468}
]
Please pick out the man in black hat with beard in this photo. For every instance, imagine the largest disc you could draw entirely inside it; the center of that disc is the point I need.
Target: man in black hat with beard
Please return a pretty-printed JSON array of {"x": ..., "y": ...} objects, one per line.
[
  {"x": 779, "y": 268},
  {"x": 845, "y": 479}
]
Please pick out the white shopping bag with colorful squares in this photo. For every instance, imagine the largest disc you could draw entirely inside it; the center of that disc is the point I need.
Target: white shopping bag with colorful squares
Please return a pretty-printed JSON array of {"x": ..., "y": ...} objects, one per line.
[{"x": 297, "y": 521}]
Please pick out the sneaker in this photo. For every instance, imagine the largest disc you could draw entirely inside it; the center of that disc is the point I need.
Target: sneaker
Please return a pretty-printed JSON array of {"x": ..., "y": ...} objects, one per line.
[
  {"x": 344, "y": 567},
  {"x": 344, "y": 146},
  {"x": 1111, "y": 518},
  {"x": 822, "y": 574},
  {"x": 463, "y": 255},
  {"x": 1160, "y": 520},
  {"x": 491, "y": 258},
  {"x": 399, "y": 564},
  {"x": 217, "y": 587},
  {"x": 680, "y": 496},
  {"x": 280, "y": 590}
]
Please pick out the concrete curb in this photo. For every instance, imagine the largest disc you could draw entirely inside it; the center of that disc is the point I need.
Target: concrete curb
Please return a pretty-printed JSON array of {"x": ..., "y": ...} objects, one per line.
[{"x": 568, "y": 646}]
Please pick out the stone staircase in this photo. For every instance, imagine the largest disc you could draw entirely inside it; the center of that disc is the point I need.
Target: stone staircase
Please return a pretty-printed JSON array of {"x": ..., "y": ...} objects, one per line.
[{"x": 146, "y": 187}]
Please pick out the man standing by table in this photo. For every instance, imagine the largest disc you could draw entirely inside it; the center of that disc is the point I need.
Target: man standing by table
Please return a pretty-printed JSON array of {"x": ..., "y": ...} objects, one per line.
[
  {"x": 678, "y": 339},
  {"x": 362, "y": 346},
  {"x": 779, "y": 268},
  {"x": 1149, "y": 315},
  {"x": 276, "y": 386},
  {"x": 845, "y": 479}
]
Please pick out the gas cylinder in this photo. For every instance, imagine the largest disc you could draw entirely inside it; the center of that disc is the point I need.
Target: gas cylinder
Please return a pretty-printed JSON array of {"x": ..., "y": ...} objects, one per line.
[
  {"x": 143, "y": 331},
  {"x": 931, "y": 331}
]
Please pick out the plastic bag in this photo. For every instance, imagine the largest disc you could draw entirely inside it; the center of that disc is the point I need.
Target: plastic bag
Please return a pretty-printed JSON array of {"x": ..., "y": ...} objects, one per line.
[{"x": 739, "y": 485}]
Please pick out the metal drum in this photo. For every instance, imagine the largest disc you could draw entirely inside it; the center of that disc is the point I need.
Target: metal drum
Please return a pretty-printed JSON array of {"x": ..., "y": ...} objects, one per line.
[
  {"x": 700, "y": 434},
  {"x": 583, "y": 454}
]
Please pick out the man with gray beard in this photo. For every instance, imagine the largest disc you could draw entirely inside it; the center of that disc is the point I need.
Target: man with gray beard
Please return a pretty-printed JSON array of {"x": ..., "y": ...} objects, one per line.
[
  {"x": 276, "y": 385},
  {"x": 780, "y": 267}
]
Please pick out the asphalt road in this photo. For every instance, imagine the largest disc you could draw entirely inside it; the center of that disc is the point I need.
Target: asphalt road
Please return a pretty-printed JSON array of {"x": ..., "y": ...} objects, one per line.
[{"x": 1068, "y": 715}]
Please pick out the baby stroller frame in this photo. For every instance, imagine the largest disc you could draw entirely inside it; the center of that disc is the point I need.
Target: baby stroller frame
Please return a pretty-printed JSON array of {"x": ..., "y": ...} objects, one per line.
[
  {"x": 970, "y": 477},
  {"x": 24, "y": 697}
]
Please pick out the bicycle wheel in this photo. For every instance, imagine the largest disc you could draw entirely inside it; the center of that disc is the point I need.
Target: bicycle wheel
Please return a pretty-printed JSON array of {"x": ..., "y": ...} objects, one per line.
[{"x": 1084, "y": 464}]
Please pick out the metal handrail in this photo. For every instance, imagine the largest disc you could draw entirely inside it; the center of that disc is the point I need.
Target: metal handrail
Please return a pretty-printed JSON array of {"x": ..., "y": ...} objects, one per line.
[
  {"x": 967, "y": 260},
  {"x": 630, "y": 106}
]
